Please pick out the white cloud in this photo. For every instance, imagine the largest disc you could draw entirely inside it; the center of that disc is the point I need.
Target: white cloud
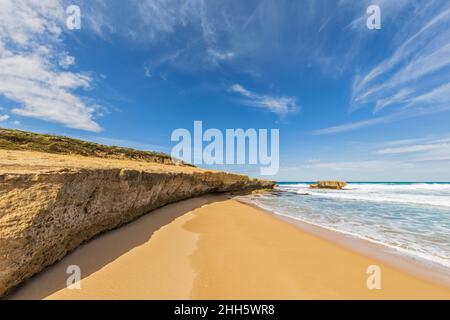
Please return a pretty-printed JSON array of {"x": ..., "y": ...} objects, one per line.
[
  {"x": 399, "y": 97},
  {"x": 419, "y": 150},
  {"x": 66, "y": 61},
  {"x": 414, "y": 109},
  {"x": 415, "y": 79},
  {"x": 149, "y": 21},
  {"x": 413, "y": 148},
  {"x": 356, "y": 125},
  {"x": 279, "y": 105},
  {"x": 4, "y": 117},
  {"x": 388, "y": 8},
  {"x": 437, "y": 96},
  {"x": 160, "y": 17},
  {"x": 397, "y": 160},
  {"x": 364, "y": 165},
  {"x": 240, "y": 89},
  {"x": 216, "y": 56},
  {"x": 147, "y": 72},
  {"x": 32, "y": 62},
  {"x": 418, "y": 67},
  {"x": 402, "y": 142}
]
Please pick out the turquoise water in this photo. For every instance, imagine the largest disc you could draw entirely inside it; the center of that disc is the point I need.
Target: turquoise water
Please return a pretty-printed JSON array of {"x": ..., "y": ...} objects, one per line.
[{"x": 412, "y": 218}]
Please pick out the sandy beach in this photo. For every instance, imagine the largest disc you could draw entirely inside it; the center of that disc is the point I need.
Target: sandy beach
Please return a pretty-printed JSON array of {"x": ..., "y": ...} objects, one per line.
[
  {"x": 213, "y": 247},
  {"x": 224, "y": 150}
]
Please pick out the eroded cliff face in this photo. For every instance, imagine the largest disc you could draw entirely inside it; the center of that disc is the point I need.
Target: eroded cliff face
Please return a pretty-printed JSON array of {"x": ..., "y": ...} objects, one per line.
[{"x": 47, "y": 213}]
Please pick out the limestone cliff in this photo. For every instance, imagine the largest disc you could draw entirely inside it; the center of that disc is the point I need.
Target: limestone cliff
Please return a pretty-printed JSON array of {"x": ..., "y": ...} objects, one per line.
[{"x": 50, "y": 204}]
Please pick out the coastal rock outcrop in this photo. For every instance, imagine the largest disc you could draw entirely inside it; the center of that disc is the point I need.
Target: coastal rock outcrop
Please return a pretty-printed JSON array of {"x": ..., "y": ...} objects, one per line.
[
  {"x": 48, "y": 210},
  {"x": 336, "y": 185}
]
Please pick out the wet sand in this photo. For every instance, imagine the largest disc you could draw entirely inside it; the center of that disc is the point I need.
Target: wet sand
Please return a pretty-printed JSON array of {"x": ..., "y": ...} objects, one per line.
[{"x": 216, "y": 248}]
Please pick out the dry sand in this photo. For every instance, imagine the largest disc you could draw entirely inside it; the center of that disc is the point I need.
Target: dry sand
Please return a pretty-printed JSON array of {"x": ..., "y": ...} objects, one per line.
[
  {"x": 12, "y": 161},
  {"x": 216, "y": 248}
]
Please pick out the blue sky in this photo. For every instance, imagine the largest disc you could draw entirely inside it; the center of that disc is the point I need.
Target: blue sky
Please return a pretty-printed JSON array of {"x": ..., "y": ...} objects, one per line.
[{"x": 351, "y": 103}]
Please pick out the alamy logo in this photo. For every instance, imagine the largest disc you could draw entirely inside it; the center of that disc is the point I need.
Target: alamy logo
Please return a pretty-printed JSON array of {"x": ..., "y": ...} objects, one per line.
[
  {"x": 73, "y": 281},
  {"x": 73, "y": 21},
  {"x": 228, "y": 148},
  {"x": 374, "y": 279},
  {"x": 374, "y": 20}
]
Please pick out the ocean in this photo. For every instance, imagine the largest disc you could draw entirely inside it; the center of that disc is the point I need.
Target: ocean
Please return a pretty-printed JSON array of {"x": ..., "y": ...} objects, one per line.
[{"x": 411, "y": 218}]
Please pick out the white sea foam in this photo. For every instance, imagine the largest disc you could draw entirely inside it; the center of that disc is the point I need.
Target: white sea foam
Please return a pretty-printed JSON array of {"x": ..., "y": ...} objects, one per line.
[
  {"x": 413, "y": 219},
  {"x": 428, "y": 257},
  {"x": 422, "y": 194}
]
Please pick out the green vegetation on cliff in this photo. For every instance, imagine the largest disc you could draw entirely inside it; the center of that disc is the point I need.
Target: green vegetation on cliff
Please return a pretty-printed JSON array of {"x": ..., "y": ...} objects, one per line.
[{"x": 29, "y": 141}]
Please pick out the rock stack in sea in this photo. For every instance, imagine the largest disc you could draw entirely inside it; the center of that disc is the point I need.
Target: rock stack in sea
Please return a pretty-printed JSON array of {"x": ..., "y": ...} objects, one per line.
[{"x": 335, "y": 185}]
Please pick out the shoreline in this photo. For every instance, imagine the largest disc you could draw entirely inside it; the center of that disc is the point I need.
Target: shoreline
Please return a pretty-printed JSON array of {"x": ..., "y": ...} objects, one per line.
[
  {"x": 416, "y": 266},
  {"x": 214, "y": 247}
]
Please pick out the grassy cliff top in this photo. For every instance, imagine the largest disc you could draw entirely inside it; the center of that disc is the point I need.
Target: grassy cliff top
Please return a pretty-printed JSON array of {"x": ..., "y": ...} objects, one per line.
[{"x": 29, "y": 141}]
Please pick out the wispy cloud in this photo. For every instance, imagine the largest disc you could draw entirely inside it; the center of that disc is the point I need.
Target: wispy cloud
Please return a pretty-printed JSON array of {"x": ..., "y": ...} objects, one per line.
[
  {"x": 391, "y": 8},
  {"x": 363, "y": 165},
  {"x": 33, "y": 65},
  {"x": 215, "y": 31},
  {"x": 4, "y": 117},
  {"x": 279, "y": 105},
  {"x": 416, "y": 158},
  {"x": 217, "y": 56},
  {"x": 414, "y": 148},
  {"x": 414, "y": 80},
  {"x": 415, "y": 70},
  {"x": 414, "y": 109},
  {"x": 419, "y": 150},
  {"x": 66, "y": 61},
  {"x": 147, "y": 71},
  {"x": 149, "y": 22},
  {"x": 355, "y": 125}
]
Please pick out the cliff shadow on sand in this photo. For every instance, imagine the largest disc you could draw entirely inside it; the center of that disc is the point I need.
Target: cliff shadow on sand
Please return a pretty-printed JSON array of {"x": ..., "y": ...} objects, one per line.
[{"x": 94, "y": 255}]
